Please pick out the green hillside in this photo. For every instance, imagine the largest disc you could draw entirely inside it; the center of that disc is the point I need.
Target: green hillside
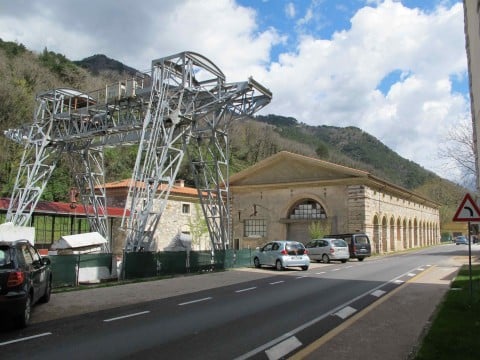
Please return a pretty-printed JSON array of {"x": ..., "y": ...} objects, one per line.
[{"x": 24, "y": 73}]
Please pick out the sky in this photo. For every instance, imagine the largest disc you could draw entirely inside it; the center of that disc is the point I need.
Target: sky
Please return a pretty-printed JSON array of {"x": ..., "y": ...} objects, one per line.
[{"x": 395, "y": 69}]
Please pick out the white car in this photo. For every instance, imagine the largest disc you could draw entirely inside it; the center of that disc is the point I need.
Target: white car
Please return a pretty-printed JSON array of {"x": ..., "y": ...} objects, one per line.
[
  {"x": 282, "y": 254},
  {"x": 328, "y": 249}
]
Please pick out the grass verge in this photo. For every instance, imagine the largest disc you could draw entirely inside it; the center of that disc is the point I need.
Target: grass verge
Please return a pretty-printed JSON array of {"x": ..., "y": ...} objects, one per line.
[{"x": 455, "y": 330}]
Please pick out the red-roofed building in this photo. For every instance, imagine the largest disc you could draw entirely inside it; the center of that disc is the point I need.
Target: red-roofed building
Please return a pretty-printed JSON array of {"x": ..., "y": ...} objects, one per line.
[
  {"x": 182, "y": 215},
  {"x": 52, "y": 220}
]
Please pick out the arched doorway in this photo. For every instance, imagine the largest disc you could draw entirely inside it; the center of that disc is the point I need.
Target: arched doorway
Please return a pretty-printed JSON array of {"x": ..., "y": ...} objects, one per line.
[{"x": 301, "y": 215}]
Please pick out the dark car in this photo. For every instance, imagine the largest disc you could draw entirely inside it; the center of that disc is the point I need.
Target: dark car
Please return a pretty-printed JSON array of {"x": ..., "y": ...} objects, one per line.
[
  {"x": 358, "y": 244},
  {"x": 25, "y": 279}
]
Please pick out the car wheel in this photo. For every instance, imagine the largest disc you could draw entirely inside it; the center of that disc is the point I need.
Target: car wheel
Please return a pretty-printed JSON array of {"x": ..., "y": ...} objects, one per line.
[
  {"x": 256, "y": 262},
  {"x": 305, "y": 268},
  {"x": 48, "y": 291},
  {"x": 325, "y": 258},
  {"x": 344, "y": 261},
  {"x": 278, "y": 265},
  {"x": 360, "y": 259},
  {"x": 24, "y": 317}
]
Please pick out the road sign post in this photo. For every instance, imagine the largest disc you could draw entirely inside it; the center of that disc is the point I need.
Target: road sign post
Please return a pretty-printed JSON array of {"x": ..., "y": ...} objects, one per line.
[{"x": 468, "y": 211}]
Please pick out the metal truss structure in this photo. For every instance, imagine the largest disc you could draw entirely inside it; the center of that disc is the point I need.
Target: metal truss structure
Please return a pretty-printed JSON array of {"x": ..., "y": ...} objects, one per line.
[{"x": 182, "y": 107}]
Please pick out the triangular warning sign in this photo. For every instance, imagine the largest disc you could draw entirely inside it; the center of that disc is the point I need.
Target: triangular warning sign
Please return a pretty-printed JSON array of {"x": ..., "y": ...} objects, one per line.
[{"x": 467, "y": 211}]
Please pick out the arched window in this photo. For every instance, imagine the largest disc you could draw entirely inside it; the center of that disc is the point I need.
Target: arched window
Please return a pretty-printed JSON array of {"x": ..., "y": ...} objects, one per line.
[{"x": 307, "y": 209}]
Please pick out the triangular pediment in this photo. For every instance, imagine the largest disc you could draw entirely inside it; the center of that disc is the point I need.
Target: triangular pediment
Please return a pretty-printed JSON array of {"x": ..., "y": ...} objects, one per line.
[{"x": 287, "y": 167}]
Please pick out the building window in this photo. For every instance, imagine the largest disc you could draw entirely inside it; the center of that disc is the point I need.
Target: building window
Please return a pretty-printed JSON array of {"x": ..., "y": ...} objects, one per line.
[
  {"x": 308, "y": 209},
  {"x": 186, "y": 209},
  {"x": 255, "y": 228}
]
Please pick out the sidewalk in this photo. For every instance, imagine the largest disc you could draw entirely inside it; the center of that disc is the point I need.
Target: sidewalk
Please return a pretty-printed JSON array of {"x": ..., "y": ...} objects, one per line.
[{"x": 392, "y": 328}]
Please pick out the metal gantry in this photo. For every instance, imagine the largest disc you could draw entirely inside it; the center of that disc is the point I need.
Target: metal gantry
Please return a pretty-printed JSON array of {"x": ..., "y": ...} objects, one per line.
[{"x": 183, "y": 106}]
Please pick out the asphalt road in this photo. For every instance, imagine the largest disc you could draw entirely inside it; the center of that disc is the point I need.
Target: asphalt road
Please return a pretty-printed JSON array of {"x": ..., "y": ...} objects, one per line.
[{"x": 268, "y": 317}]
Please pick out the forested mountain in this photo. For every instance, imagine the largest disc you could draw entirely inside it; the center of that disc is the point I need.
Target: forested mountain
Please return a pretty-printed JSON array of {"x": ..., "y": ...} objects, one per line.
[{"x": 24, "y": 74}]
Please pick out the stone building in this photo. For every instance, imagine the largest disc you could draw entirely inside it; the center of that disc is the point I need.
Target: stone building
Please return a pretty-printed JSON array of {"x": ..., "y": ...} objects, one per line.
[
  {"x": 283, "y": 195},
  {"x": 182, "y": 216}
]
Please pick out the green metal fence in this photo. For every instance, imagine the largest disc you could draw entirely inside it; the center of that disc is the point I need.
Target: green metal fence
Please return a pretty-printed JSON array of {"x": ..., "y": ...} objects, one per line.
[{"x": 136, "y": 265}]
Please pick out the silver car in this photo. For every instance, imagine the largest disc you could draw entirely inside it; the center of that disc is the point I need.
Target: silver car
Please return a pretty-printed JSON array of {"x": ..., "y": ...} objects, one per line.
[
  {"x": 328, "y": 249},
  {"x": 282, "y": 254}
]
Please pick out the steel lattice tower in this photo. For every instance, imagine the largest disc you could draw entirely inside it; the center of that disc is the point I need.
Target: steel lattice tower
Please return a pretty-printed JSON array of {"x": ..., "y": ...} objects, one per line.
[{"x": 184, "y": 106}]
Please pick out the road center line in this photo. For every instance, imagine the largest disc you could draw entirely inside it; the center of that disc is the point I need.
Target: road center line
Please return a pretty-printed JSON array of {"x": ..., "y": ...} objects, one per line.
[
  {"x": 195, "y": 301},
  {"x": 126, "y": 316},
  {"x": 25, "y": 338},
  {"x": 247, "y": 289},
  {"x": 277, "y": 282}
]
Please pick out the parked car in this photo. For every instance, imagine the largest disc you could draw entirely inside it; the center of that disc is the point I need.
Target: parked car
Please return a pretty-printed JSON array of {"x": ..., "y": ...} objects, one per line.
[
  {"x": 282, "y": 254},
  {"x": 25, "y": 279},
  {"x": 328, "y": 249},
  {"x": 461, "y": 240},
  {"x": 358, "y": 244}
]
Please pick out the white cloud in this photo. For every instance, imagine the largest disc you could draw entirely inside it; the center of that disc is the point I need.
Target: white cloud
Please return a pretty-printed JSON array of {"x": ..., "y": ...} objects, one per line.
[
  {"x": 290, "y": 10},
  {"x": 331, "y": 81},
  {"x": 335, "y": 81}
]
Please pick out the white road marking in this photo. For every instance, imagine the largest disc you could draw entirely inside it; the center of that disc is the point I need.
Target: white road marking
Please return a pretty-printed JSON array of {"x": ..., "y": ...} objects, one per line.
[
  {"x": 378, "y": 293},
  {"x": 398, "y": 281},
  {"x": 25, "y": 338},
  {"x": 126, "y": 316},
  {"x": 335, "y": 269},
  {"x": 411, "y": 274},
  {"x": 283, "y": 348},
  {"x": 346, "y": 312},
  {"x": 420, "y": 269},
  {"x": 312, "y": 322},
  {"x": 247, "y": 289},
  {"x": 277, "y": 282},
  {"x": 349, "y": 266},
  {"x": 195, "y": 301},
  {"x": 320, "y": 273},
  {"x": 301, "y": 277}
]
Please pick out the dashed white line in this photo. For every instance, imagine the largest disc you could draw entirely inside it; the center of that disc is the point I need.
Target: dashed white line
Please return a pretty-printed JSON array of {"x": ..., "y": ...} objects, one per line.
[
  {"x": 278, "y": 351},
  {"x": 195, "y": 301},
  {"x": 301, "y": 277},
  {"x": 411, "y": 274},
  {"x": 320, "y": 273},
  {"x": 398, "y": 281},
  {"x": 346, "y": 312},
  {"x": 378, "y": 293},
  {"x": 247, "y": 289},
  {"x": 25, "y": 338},
  {"x": 126, "y": 316},
  {"x": 277, "y": 282},
  {"x": 335, "y": 269},
  {"x": 348, "y": 267}
]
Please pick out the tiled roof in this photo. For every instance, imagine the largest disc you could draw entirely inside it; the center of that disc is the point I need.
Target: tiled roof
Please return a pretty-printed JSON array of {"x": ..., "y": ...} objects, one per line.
[
  {"x": 176, "y": 190},
  {"x": 52, "y": 207}
]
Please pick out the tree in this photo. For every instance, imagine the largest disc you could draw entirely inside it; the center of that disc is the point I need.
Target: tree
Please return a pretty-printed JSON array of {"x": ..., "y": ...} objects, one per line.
[
  {"x": 197, "y": 225},
  {"x": 458, "y": 151},
  {"x": 318, "y": 229}
]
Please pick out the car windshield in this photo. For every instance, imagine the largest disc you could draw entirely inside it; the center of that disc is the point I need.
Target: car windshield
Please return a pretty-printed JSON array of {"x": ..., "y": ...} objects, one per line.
[
  {"x": 5, "y": 259},
  {"x": 295, "y": 249},
  {"x": 339, "y": 243}
]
